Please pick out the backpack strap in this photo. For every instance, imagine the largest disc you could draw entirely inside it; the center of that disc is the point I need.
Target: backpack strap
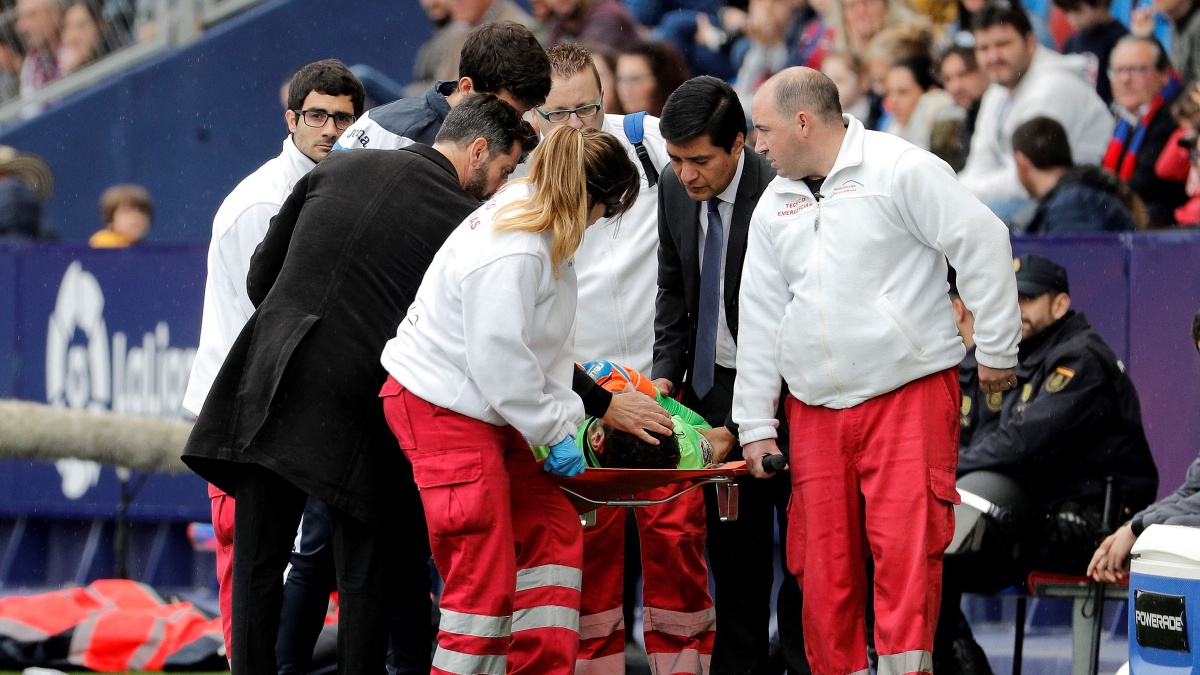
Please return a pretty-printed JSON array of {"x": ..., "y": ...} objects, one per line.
[{"x": 635, "y": 131}]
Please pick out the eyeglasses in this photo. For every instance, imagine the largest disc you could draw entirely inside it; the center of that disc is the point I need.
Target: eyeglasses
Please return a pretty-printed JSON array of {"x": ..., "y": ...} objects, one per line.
[
  {"x": 583, "y": 112},
  {"x": 318, "y": 118},
  {"x": 1114, "y": 73}
]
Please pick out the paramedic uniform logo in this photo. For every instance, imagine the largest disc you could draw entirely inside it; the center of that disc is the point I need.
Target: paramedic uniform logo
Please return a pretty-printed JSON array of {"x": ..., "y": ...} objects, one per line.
[{"x": 87, "y": 369}]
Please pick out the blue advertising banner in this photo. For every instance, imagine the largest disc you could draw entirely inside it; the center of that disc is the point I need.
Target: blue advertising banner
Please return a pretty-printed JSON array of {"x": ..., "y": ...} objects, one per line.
[{"x": 100, "y": 330}]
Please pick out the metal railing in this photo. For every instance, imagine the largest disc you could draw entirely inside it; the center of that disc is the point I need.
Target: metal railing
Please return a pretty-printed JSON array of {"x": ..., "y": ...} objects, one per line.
[{"x": 128, "y": 32}]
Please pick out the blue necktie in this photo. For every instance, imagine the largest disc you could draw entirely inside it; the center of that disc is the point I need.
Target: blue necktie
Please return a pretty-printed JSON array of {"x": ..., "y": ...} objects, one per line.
[{"x": 710, "y": 303}]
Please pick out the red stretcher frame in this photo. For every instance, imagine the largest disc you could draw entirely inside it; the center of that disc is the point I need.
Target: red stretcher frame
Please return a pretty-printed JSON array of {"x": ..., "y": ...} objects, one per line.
[{"x": 616, "y": 487}]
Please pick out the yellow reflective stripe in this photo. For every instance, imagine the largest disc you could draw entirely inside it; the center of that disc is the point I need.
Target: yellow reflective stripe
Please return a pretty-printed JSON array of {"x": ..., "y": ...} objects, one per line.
[
  {"x": 686, "y": 661},
  {"x": 545, "y": 616},
  {"x": 601, "y": 624},
  {"x": 915, "y": 661},
  {"x": 475, "y": 625},
  {"x": 469, "y": 664},
  {"x": 549, "y": 575},
  {"x": 682, "y": 624}
]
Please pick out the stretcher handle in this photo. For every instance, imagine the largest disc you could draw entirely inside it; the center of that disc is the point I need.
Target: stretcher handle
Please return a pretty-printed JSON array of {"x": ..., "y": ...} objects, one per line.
[{"x": 774, "y": 462}]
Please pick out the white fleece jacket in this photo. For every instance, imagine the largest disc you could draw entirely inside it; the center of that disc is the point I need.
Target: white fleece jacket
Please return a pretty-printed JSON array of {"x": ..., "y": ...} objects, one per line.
[
  {"x": 489, "y": 334},
  {"x": 845, "y": 298}
]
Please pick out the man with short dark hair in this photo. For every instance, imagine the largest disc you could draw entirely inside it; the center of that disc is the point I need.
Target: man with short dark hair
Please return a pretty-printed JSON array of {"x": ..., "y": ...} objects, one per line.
[
  {"x": 324, "y": 98},
  {"x": 1144, "y": 87},
  {"x": 843, "y": 298},
  {"x": 1027, "y": 81},
  {"x": 704, "y": 212},
  {"x": 1070, "y": 199},
  {"x": 1072, "y": 421},
  {"x": 502, "y": 58},
  {"x": 294, "y": 410}
]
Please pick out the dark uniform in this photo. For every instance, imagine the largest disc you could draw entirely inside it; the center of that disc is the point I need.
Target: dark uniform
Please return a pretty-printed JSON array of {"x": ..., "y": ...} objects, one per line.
[{"x": 1072, "y": 420}]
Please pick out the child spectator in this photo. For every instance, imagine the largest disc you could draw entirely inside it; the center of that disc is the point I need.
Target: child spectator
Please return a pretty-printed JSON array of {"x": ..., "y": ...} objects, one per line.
[
  {"x": 127, "y": 212},
  {"x": 1097, "y": 32},
  {"x": 849, "y": 73}
]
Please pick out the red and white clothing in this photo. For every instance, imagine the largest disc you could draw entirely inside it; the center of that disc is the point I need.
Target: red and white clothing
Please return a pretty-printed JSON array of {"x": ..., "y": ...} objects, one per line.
[
  {"x": 481, "y": 368},
  {"x": 845, "y": 299}
]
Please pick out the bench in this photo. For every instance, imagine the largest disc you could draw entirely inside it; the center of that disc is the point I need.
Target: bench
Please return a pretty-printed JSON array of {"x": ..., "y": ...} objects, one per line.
[{"x": 1086, "y": 617}]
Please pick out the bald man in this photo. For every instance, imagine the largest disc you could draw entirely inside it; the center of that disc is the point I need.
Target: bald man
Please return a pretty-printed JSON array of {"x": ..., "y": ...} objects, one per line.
[{"x": 844, "y": 298}]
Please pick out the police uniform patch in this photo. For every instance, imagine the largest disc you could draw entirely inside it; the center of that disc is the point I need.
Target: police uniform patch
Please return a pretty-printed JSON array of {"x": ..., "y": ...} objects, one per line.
[
  {"x": 1016, "y": 264},
  {"x": 1026, "y": 392},
  {"x": 995, "y": 401},
  {"x": 966, "y": 406},
  {"x": 1059, "y": 380}
]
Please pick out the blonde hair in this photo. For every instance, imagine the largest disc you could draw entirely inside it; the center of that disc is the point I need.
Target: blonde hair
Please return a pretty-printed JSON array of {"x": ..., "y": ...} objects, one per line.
[
  {"x": 571, "y": 171},
  {"x": 899, "y": 13}
]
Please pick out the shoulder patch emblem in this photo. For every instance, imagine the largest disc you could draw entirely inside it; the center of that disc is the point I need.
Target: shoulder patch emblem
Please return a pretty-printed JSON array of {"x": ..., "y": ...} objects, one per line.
[
  {"x": 995, "y": 401},
  {"x": 966, "y": 406},
  {"x": 1059, "y": 380},
  {"x": 1026, "y": 392}
]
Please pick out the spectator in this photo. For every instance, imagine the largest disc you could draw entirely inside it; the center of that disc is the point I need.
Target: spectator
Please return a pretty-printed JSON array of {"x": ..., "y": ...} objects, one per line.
[
  {"x": 965, "y": 84},
  {"x": 647, "y": 73},
  {"x": 855, "y": 22},
  {"x": 25, "y": 185},
  {"x": 12, "y": 57},
  {"x": 1073, "y": 420},
  {"x": 849, "y": 74},
  {"x": 885, "y": 50},
  {"x": 1110, "y": 562},
  {"x": 425, "y": 66},
  {"x": 467, "y": 15},
  {"x": 651, "y": 12},
  {"x": 960, "y": 31},
  {"x": 1144, "y": 89},
  {"x": 1070, "y": 199},
  {"x": 766, "y": 44},
  {"x": 1096, "y": 33},
  {"x": 85, "y": 37},
  {"x": 1027, "y": 81},
  {"x": 913, "y": 100},
  {"x": 39, "y": 23},
  {"x": 1179, "y": 158},
  {"x": 603, "y": 21},
  {"x": 1184, "y": 19},
  {"x": 127, "y": 212}
]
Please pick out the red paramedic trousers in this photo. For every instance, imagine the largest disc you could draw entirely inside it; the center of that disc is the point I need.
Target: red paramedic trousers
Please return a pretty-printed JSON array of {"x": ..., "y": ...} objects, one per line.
[{"x": 876, "y": 479}]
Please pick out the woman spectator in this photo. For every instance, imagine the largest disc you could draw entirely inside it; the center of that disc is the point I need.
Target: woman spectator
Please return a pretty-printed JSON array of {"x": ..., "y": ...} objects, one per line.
[
  {"x": 886, "y": 49},
  {"x": 480, "y": 369},
  {"x": 647, "y": 73},
  {"x": 85, "y": 37},
  {"x": 914, "y": 101},
  {"x": 849, "y": 74},
  {"x": 605, "y": 60}
]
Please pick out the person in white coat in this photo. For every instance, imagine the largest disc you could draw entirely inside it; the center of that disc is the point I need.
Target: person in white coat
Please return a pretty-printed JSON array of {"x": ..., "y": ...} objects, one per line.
[
  {"x": 843, "y": 297},
  {"x": 1027, "y": 81},
  {"x": 480, "y": 369}
]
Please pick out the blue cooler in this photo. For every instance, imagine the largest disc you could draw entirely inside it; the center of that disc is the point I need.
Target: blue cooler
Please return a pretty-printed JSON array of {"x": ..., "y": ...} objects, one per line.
[{"x": 1164, "y": 594}]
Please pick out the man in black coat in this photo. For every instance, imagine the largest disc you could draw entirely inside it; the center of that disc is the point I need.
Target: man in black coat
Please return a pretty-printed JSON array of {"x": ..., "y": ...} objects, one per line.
[
  {"x": 1073, "y": 421},
  {"x": 294, "y": 410},
  {"x": 716, "y": 179}
]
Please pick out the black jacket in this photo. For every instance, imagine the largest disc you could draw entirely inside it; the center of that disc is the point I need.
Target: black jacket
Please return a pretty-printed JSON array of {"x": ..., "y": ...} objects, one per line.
[
  {"x": 340, "y": 264},
  {"x": 1162, "y": 197},
  {"x": 978, "y": 413},
  {"x": 1073, "y": 419},
  {"x": 1083, "y": 200}
]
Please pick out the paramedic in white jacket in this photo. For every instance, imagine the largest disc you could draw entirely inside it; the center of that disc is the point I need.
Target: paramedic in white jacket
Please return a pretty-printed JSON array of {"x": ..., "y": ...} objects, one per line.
[
  {"x": 1028, "y": 81},
  {"x": 480, "y": 369},
  {"x": 844, "y": 298}
]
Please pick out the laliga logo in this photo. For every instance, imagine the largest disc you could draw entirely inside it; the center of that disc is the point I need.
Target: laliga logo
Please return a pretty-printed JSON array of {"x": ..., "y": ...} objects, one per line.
[{"x": 145, "y": 380}]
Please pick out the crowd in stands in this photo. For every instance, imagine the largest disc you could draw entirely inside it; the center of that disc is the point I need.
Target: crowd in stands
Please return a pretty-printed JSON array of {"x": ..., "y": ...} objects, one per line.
[{"x": 958, "y": 78}]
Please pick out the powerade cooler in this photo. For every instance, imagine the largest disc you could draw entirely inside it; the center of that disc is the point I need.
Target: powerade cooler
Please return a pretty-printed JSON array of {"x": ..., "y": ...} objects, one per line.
[{"x": 1164, "y": 588}]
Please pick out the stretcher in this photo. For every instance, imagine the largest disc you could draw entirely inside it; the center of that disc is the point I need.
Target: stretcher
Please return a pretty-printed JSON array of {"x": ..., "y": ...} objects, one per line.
[{"x": 616, "y": 487}]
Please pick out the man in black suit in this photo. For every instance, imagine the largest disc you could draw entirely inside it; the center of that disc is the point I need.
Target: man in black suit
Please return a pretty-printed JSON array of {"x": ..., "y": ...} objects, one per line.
[
  {"x": 718, "y": 180},
  {"x": 294, "y": 410}
]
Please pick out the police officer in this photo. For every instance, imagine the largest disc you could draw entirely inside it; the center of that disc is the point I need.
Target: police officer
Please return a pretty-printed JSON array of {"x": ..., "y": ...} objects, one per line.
[
  {"x": 1073, "y": 420},
  {"x": 975, "y": 416}
]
